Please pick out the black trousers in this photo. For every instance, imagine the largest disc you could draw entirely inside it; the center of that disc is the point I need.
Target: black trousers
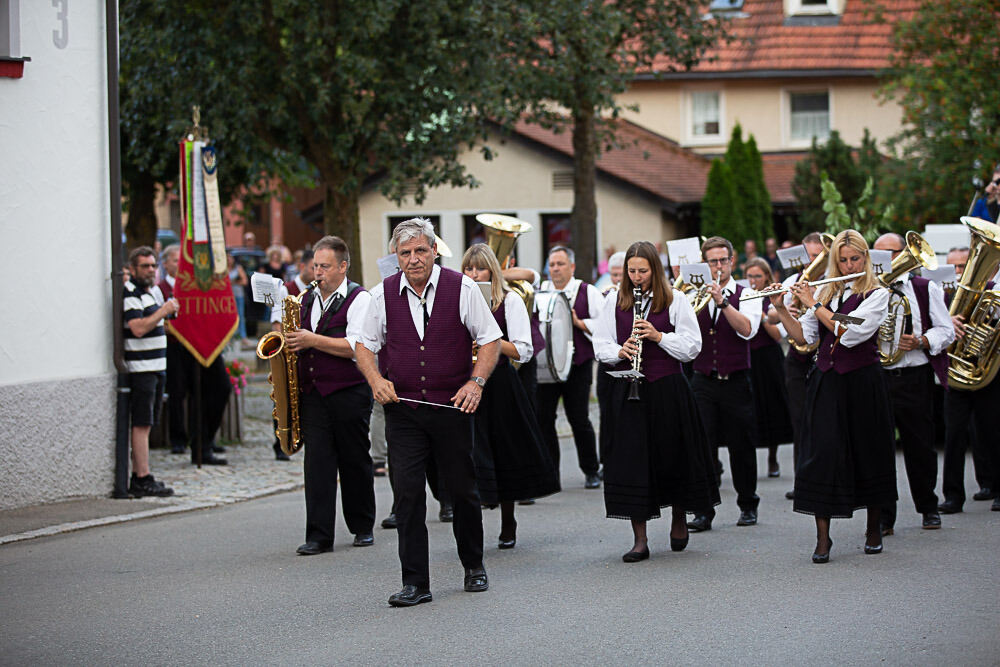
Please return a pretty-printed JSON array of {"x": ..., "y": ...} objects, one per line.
[
  {"x": 603, "y": 400},
  {"x": 415, "y": 436},
  {"x": 911, "y": 391},
  {"x": 726, "y": 408},
  {"x": 796, "y": 372},
  {"x": 215, "y": 390},
  {"x": 961, "y": 408},
  {"x": 575, "y": 393},
  {"x": 335, "y": 442}
]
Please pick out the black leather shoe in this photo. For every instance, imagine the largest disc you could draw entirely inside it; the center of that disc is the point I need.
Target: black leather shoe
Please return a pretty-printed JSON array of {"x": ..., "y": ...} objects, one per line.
[
  {"x": 178, "y": 448},
  {"x": 592, "y": 481},
  {"x": 995, "y": 507},
  {"x": 507, "y": 544},
  {"x": 872, "y": 549},
  {"x": 529, "y": 501},
  {"x": 313, "y": 548},
  {"x": 218, "y": 449},
  {"x": 389, "y": 523},
  {"x": 363, "y": 540},
  {"x": 985, "y": 493},
  {"x": 773, "y": 471},
  {"x": 679, "y": 544},
  {"x": 747, "y": 518},
  {"x": 790, "y": 495},
  {"x": 476, "y": 580},
  {"x": 931, "y": 521},
  {"x": 508, "y": 538},
  {"x": 209, "y": 459},
  {"x": 635, "y": 556},
  {"x": 700, "y": 523},
  {"x": 950, "y": 507},
  {"x": 446, "y": 514},
  {"x": 819, "y": 558},
  {"x": 410, "y": 596}
]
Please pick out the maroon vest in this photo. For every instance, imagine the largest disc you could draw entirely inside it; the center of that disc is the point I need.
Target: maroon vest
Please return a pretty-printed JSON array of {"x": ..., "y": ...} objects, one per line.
[
  {"x": 940, "y": 361},
  {"x": 844, "y": 359},
  {"x": 318, "y": 370},
  {"x": 656, "y": 363},
  {"x": 292, "y": 287},
  {"x": 762, "y": 339},
  {"x": 537, "y": 339},
  {"x": 583, "y": 350},
  {"x": 722, "y": 348},
  {"x": 435, "y": 368}
]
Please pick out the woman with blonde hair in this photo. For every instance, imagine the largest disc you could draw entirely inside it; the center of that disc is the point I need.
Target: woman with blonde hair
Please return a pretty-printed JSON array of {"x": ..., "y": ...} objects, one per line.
[
  {"x": 512, "y": 462},
  {"x": 767, "y": 374},
  {"x": 658, "y": 455},
  {"x": 847, "y": 459}
]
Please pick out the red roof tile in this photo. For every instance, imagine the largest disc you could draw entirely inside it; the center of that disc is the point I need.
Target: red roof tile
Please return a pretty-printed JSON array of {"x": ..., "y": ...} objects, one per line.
[{"x": 764, "y": 43}]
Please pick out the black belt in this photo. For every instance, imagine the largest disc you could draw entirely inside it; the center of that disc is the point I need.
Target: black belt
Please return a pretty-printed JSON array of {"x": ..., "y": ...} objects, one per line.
[
  {"x": 714, "y": 375},
  {"x": 908, "y": 370}
]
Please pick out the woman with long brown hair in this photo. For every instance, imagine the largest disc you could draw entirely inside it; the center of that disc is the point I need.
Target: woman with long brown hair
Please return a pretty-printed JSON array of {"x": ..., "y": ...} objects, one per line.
[
  {"x": 847, "y": 459},
  {"x": 512, "y": 462},
  {"x": 767, "y": 374},
  {"x": 658, "y": 455}
]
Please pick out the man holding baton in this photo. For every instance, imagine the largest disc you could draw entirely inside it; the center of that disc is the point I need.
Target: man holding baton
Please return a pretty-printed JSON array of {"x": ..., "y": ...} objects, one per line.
[{"x": 423, "y": 322}]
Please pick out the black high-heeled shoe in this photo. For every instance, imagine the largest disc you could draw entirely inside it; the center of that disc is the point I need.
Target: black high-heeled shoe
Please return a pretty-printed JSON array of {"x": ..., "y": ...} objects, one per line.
[
  {"x": 504, "y": 543},
  {"x": 679, "y": 544},
  {"x": 870, "y": 549},
  {"x": 819, "y": 558}
]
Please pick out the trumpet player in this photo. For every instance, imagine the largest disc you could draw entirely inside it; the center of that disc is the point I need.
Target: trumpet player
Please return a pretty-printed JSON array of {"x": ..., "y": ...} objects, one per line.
[
  {"x": 846, "y": 459},
  {"x": 335, "y": 403},
  {"x": 721, "y": 381},
  {"x": 657, "y": 454},
  {"x": 923, "y": 340}
]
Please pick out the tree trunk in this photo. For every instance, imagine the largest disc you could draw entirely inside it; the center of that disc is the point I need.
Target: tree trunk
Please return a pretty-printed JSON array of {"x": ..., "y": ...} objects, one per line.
[
  {"x": 341, "y": 218},
  {"x": 141, "y": 229},
  {"x": 583, "y": 218}
]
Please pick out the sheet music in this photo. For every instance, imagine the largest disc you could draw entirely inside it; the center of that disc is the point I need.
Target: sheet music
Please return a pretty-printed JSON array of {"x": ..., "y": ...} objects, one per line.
[
  {"x": 684, "y": 251},
  {"x": 944, "y": 275},
  {"x": 881, "y": 261},
  {"x": 388, "y": 266},
  {"x": 487, "y": 290},
  {"x": 796, "y": 257},
  {"x": 265, "y": 288},
  {"x": 696, "y": 274}
]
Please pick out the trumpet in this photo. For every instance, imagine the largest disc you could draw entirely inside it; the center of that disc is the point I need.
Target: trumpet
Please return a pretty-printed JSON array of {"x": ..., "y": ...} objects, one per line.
[{"x": 753, "y": 294}]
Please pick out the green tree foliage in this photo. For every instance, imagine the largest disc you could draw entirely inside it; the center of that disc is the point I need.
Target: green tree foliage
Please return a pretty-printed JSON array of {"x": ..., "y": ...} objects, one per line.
[
  {"x": 166, "y": 68},
  {"x": 847, "y": 168},
  {"x": 721, "y": 214},
  {"x": 943, "y": 73},
  {"x": 581, "y": 55},
  {"x": 870, "y": 222},
  {"x": 764, "y": 212}
]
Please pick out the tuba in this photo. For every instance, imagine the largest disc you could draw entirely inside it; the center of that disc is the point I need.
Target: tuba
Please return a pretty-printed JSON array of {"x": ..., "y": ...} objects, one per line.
[
  {"x": 918, "y": 252},
  {"x": 501, "y": 235},
  {"x": 974, "y": 360},
  {"x": 284, "y": 375},
  {"x": 813, "y": 272}
]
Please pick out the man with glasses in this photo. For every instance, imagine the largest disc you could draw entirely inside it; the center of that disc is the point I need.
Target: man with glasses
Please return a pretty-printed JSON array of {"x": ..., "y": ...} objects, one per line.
[
  {"x": 721, "y": 381},
  {"x": 146, "y": 361},
  {"x": 924, "y": 338}
]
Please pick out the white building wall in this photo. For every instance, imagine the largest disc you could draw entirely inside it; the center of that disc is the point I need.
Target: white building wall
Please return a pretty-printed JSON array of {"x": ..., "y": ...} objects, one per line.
[{"x": 56, "y": 369}]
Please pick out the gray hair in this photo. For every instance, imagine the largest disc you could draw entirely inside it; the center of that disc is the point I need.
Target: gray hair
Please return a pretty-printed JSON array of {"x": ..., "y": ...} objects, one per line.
[
  {"x": 569, "y": 252},
  {"x": 617, "y": 259},
  {"x": 172, "y": 248},
  {"x": 964, "y": 248},
  {"x": 411, "y": 229}
]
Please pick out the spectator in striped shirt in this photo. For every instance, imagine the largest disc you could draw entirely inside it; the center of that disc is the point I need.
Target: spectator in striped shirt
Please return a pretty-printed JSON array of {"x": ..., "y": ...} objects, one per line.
[{"x": 146, "y": 361}]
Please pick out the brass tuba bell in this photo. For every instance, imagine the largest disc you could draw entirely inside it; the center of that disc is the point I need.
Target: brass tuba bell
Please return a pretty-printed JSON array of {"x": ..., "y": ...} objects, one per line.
[
  {"x": 974, "y": 360},
  {"x": 502, "y": 232},
  {"x": 918, "y": 252}
]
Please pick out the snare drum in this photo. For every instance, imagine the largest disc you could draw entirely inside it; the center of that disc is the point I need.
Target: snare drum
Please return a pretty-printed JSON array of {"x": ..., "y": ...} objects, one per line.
[{"x": 556, "y": 320}]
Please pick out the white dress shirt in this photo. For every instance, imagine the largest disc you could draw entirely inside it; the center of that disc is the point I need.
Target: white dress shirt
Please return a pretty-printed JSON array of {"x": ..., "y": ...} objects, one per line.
[
  {"x": 473, "y": 311},
  {"x": 518, "y": 327},
  {"x": 683, "y": 344},
  {"x": 356, "y": 312},
  {"x": 751, "y": 308},
  {"x": 872, "y": 310},
  {"x": 595, "y": 301},
  {"x": 940, "y": 334},
  {"x": 278, "y": 309}
]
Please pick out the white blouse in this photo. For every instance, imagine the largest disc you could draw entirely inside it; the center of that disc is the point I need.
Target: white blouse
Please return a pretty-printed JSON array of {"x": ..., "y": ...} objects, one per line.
[
  {"x": 683, "y": 344},
  {"x": 873, "y": 311}
]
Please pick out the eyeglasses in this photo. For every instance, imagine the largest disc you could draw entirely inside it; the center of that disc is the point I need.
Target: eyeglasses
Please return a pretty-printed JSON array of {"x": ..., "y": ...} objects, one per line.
[{"x": 718, "y": 262}]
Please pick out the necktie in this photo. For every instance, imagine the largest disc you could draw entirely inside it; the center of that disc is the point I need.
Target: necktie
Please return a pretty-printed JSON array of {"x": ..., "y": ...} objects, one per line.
[
  {"x": 715, "y": 317},
  {"x": 423, "y": 303}
]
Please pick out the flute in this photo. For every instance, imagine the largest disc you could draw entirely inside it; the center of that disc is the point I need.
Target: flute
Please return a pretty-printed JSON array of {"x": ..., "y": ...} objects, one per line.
[{"x": 752, "y": 294}]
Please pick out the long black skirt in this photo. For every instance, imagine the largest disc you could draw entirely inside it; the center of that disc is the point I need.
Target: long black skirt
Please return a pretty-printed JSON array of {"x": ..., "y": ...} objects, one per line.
[
  {"x": 846, "y": 457},
  {"x": 770, "y": 396},
  {"x": 658, "y": 455},
  {"x": 512, "y": 462}
]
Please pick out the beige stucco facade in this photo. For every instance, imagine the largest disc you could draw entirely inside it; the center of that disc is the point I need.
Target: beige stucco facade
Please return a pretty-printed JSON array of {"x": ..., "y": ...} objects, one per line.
[
  {"x": 762, "y": 108},
  {"x": 518, "y": 181}
]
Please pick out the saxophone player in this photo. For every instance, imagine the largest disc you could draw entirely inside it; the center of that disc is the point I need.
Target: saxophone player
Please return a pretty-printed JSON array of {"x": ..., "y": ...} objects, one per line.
[
  {"x": 335, "y": 402},
  {"x": 923, "y": 339}
]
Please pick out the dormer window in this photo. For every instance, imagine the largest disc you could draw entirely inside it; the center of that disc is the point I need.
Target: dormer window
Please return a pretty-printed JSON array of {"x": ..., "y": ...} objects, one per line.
[{"x": 814, "y": 7}]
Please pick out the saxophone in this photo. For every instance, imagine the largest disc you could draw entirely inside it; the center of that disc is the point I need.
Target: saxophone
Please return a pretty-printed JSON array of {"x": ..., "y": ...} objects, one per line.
[{"x": 284, "y": 375}]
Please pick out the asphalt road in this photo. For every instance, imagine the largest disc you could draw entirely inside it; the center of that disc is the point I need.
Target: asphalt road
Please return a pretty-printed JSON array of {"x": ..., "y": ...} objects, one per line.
[{"x": 223, "y": 586}]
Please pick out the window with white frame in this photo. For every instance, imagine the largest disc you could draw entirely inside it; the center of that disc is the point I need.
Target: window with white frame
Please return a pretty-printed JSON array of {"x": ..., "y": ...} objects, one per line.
[
  {"x": 809, "y": 114},
  {"x": 706, "y": 114},
  {"x": 815, "y": 7}
]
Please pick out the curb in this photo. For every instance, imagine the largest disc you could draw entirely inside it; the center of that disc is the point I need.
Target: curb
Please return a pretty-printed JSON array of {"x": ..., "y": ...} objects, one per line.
[{"x": 188, "y": 506}]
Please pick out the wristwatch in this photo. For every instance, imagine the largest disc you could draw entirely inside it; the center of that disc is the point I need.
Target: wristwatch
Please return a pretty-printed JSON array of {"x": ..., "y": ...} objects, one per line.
[{"x": 478, "y": 380}]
